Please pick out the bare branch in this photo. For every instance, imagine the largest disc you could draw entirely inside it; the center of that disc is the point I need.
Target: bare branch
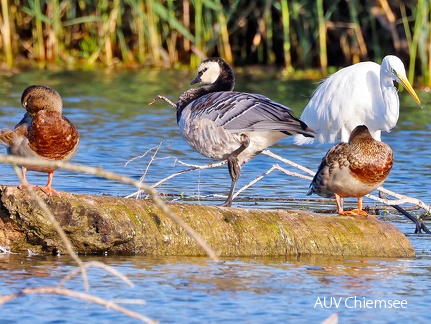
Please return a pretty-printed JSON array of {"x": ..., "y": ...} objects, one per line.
[
  {"x": 298, "y": 166},
  {"x": 401, "y": 200},
  {"x": 274, "y": 167},
  {"x": 163, "y": 98}
]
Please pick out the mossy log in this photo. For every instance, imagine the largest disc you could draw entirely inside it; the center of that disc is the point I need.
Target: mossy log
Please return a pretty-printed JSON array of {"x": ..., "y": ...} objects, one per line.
[{"x": 131, "y": 226}]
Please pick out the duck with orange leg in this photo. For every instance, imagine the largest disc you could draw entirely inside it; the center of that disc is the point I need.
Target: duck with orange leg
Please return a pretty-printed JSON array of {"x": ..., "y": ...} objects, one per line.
[
  {"x": 43, "y": 133},
  {"x": 353, "y": 169}
]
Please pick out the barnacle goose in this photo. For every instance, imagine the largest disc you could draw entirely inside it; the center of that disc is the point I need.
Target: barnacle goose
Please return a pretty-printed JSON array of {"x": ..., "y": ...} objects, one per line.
[{"x": 223, "y": 124}]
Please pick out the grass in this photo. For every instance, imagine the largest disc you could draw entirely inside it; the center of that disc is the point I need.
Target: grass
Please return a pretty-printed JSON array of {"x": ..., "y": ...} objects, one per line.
[{"x": 297, "y": 34}]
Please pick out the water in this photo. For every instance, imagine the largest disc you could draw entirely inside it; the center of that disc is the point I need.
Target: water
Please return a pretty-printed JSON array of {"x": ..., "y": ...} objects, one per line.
[
  {"x": 116, "y": 125},
  {"x": 243, "y": 290}
]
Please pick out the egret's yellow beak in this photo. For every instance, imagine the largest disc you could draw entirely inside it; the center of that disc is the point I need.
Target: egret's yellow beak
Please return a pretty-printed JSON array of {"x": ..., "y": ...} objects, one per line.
[{"x": 409, "y": 88}]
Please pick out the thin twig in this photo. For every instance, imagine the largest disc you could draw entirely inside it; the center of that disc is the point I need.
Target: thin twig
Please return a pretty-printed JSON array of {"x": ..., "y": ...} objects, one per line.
[
  {"x": 192, "y": 168},
  {"x": 142, "y": 178},
  {"x": 98, "y": 264},
  {"x": 296, "y": 165},
  {"x": 79, "y": 295},
  {"x": 162, "y": 98},
  {"x": 274, "y": 167},
  {"x": 143, "y": 155},
  {"x": 57, "y": 227}
]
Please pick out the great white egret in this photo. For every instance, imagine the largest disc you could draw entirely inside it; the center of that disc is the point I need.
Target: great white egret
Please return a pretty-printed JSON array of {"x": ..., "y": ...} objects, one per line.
[
  {"x": 228, "y": 125},
  {"x": 42, "y": 133},
  {"x": 360, "y": 94},
  {"x": 353, "y": 169}
]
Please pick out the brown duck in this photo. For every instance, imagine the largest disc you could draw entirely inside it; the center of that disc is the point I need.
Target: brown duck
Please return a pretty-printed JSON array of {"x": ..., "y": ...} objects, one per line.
[
  {"x": 42, "y": 133},
  {"x": 353, "y": 169}
]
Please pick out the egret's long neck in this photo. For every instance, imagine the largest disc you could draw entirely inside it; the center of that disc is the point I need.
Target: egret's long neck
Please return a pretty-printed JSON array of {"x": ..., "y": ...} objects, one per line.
[{"x": 392, "y": 102}]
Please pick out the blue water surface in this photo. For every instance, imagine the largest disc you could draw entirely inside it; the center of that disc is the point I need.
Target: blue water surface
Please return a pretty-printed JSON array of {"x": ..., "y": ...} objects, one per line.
[{"x": 116, "y": 124}]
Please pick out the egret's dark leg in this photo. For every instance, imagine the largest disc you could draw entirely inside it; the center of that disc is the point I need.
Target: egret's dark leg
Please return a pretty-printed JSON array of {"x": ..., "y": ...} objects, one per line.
[
  {"x": 420, "y": 226},
  {"x": 235, "y": 168}
]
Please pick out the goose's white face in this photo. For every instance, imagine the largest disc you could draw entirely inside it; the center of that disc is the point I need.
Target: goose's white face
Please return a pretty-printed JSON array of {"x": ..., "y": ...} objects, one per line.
[{"x": 208, "y": 72}]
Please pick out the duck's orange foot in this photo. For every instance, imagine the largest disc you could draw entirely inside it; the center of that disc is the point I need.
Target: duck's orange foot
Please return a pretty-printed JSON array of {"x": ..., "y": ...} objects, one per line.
[
  {"x": 357, "y": 212},
  {"x": 49, "y": 191}
]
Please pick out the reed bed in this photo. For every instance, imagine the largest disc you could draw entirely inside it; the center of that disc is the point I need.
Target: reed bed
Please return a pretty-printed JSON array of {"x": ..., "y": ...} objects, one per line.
[{"x": 294, "y": 34}]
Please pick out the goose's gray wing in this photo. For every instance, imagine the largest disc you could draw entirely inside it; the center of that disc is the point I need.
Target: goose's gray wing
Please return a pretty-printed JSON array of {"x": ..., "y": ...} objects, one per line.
[{"x": 245, "y": 112}]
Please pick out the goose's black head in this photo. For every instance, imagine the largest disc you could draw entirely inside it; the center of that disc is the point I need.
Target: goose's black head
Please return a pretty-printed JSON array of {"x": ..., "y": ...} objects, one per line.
[{"x": 216, "y": 72}]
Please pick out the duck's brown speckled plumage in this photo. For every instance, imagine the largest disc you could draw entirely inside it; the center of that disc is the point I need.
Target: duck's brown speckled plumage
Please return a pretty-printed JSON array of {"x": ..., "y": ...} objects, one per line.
[
  {"x": 52, "y": 137},
  {"x": 43, "y": 132},
  {"x": 353, "y": 169}
]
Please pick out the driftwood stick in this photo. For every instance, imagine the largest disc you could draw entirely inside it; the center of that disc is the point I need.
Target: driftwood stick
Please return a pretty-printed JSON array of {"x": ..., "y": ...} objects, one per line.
[{"x": 79, "y": 295}]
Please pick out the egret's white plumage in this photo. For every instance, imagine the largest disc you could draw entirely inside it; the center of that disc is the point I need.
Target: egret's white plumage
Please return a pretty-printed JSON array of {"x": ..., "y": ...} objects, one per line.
[{"x": 361, "y": 94}]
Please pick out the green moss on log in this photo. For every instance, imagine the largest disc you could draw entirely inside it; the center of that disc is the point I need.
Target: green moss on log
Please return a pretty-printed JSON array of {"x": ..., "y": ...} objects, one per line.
[{"x": 130, "y": 226}]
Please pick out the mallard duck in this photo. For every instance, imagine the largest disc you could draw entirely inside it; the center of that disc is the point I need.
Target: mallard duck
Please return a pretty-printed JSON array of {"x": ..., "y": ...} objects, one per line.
[
  {"x": 42, "y": 133},
  {"x": 353, "y": 169}
]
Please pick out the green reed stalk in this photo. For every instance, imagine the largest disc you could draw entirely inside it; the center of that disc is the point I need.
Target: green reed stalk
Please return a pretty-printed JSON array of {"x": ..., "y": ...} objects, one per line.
[
  {"x": 199, "y": 33},
  {"x": 6, "y": 33},
  {"x": 286, "y": 33},
  {"x": 322, "y": 37},
  {"x": 224, "y": 33},
  {"x": 126, "y": 53},
  {"x": 428, "y": 69},
  {"x": 137, "y": 10},
  {"x": 420, "y": 20},
  {"x": 302, "y": 39},
  {"x": 56, "y": 36},
  {"x": 267, "y": 36},
  {"x": 171, "y": 42},
  {"x": 361, "y": 48},
  {"x": 154, "y": 40},
  {"x": 110, "y": 31},
  {"x": 412, "y": 40},
  {"x": 374, "y": 36},
  {"x": 424, "y": 45},
  {"x": 39, "y": 45}
]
